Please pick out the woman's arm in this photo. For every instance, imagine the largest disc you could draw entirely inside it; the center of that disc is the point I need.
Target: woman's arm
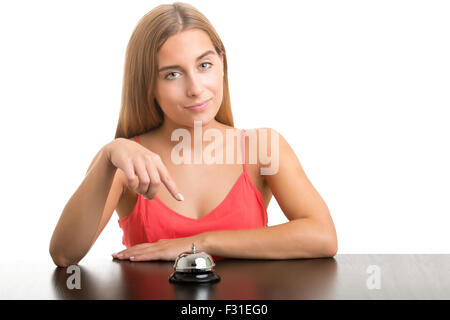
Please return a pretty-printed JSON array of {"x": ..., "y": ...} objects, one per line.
[
  {"x": 78, "y": 225},
  {"x": 300, "y": 238},
  {"x": 310, "y": 231}
]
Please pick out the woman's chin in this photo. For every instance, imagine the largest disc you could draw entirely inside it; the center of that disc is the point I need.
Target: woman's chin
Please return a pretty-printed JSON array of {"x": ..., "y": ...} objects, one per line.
[{"x": 205, "y": 118}]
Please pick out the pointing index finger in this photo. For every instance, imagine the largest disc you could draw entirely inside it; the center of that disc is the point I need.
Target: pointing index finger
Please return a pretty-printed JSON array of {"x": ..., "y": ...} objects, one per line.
[{"x": 169, "y": 183}]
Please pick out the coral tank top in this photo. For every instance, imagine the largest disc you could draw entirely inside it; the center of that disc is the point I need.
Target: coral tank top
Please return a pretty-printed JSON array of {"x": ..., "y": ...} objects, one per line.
[{"x": 151, "y": 220}]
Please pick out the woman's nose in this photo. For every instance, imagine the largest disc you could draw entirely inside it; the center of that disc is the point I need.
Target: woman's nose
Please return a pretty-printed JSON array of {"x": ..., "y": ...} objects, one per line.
[{"x": 194, "y": 86}]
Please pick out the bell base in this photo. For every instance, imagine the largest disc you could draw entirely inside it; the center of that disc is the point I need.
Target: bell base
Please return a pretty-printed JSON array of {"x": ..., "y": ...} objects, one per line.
[{"x": 193, "y": 277}]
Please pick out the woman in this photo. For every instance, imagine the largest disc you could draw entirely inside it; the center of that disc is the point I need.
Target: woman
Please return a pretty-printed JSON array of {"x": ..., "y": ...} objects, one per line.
[{"x": 176, "y": 83}]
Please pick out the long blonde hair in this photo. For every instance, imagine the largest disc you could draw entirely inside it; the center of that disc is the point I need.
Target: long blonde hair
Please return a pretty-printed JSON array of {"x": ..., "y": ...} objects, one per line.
[{"x": 139, "y": 110}]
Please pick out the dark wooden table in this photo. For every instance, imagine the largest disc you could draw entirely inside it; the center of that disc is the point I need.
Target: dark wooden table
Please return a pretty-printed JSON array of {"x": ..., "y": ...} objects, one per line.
[{"x": 346, "y": 276}]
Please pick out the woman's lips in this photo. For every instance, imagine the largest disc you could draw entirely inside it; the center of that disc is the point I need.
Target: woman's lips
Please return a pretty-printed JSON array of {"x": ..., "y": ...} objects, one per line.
[{"x": 199, "y": 107}]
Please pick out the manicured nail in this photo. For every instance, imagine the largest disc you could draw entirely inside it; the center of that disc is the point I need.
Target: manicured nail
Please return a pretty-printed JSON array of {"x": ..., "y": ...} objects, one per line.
[{"x": 180, "y": 197}]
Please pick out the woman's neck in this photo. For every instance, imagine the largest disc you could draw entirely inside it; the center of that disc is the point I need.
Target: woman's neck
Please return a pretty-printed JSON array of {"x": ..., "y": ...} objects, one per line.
[{"x": 168, "y": 127}]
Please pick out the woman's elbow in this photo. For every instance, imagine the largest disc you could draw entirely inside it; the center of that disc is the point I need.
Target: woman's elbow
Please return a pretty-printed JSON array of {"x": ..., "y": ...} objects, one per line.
[
  {"x": 331, "y": 242},
  {"x": 332, "y": 247},
  {"x": 327, "y": 247},
  {"x": 333, "y": 250},
  {"x": 61, "y": 261}
]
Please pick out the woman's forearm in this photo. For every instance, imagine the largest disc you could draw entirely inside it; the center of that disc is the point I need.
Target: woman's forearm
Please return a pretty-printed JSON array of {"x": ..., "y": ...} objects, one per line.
[{"x": 301, "y": 238}]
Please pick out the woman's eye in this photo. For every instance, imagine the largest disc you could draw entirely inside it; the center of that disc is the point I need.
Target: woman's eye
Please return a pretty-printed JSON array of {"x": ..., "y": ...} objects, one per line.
[
  {"x": 207, "y": 63},
  {"x": 168, "y": 75}
]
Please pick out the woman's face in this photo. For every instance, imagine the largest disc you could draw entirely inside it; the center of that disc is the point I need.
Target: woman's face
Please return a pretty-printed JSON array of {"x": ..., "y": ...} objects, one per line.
[{"x": 189, "y": 72}]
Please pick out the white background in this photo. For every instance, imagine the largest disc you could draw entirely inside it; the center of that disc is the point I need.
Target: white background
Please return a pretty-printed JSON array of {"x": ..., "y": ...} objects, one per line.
[{"x": 359, "y": 89}]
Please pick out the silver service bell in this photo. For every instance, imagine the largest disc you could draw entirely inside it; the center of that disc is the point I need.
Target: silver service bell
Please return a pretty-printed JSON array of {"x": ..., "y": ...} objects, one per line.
[{"x": 194, "y": 267}]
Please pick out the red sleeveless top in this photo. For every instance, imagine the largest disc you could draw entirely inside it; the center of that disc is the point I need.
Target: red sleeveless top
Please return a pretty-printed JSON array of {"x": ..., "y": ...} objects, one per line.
[{"x": 151, "y": 220}]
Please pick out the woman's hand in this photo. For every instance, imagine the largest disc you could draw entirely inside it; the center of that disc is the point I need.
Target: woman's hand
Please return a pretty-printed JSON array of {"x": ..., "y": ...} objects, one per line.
[
  {"x": 143, "y": 168},
  {"x": 164, "y": 249}
]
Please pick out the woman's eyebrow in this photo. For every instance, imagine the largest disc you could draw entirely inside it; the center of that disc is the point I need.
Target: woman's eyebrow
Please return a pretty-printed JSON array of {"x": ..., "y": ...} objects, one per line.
[{"x": 177, "y": 66}]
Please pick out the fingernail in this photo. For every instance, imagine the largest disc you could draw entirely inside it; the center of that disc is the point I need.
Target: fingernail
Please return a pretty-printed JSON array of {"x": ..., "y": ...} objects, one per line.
[{"x": 180, "y": 197}]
